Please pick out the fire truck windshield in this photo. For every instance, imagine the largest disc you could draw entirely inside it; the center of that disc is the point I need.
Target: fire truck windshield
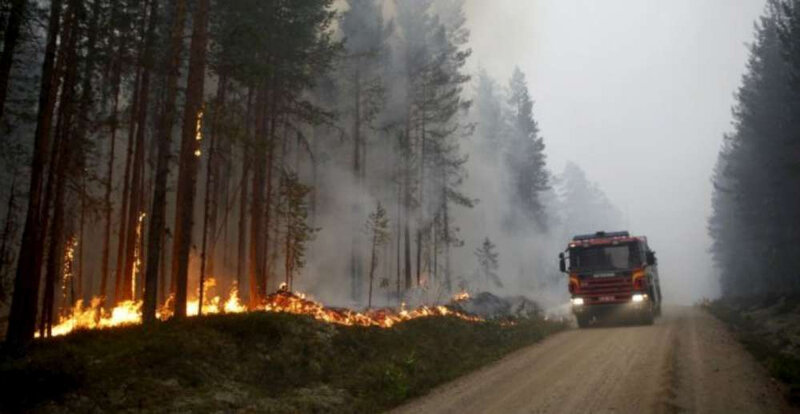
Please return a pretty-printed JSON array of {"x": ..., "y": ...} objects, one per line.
[{"x": 599, "y": 258}]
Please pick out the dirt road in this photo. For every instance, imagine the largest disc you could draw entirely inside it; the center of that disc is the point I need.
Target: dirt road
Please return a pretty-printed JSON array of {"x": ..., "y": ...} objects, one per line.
[{"x": 686, "y": 362}]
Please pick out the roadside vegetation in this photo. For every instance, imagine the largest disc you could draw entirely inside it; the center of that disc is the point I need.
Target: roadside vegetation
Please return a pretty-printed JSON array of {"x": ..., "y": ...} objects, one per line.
[
  {"x": 769, "y": 328},
  {"x": 255, "y": 362}
]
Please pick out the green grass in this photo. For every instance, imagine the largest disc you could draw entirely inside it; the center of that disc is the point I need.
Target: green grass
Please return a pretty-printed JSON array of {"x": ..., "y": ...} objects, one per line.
[
  {"x": 258, "y": 362},
  {"x": 782, "y": 366}
]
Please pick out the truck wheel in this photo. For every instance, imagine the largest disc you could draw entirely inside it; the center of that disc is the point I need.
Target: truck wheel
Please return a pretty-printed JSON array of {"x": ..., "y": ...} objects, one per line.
[{"x": 583, "y": 320}]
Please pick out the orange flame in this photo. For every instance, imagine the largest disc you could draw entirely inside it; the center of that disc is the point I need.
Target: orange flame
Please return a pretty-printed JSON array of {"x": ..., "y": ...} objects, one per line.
[
  {"x": 297, "y": 303},
  {"x": 130, "y": 312}
]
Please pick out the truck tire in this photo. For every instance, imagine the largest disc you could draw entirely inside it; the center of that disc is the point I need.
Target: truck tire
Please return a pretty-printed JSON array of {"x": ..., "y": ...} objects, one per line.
[{"x": 583, "y": 320}]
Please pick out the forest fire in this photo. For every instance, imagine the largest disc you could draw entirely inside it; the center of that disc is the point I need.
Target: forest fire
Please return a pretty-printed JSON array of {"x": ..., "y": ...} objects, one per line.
[
  {"x": 94, "y": 316},
  {"x": 297, "y": 303},
  {"x": 461, "y": 297}
]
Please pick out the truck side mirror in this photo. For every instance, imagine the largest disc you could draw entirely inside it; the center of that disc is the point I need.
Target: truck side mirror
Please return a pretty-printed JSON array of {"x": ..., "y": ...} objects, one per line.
[
  {"x": 651, "y": 258},
  {"x": 562, "y": 265}
]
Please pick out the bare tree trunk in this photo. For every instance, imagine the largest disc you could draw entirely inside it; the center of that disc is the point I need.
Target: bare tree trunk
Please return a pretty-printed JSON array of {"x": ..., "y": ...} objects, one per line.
[
  {"x": 82, "y": 224},
  {"x": 407, "y": 206},
  {"x": 398, "y": 237},
  {"x": 135, "y": 203},
  {"x": 162, "y": 271},
  {"x": 10, "y": 39},
  {"x": 22, "y": 316},
  {"x": 257, "y": 205},
  {"x": 288, "y": 259},
  {"x": 9, "y": 223},
  {"x": 355, "y": 247},
  {"x": 82, "y": 130},
  {"x": 268, "y": 195},
  {"x": 206, "y": 220},
  {"x": 126, "y": 184},
  {"x": 372, "y": 263},
  {"x": 60, "y": 165},
  {"x": 448, "y": 283},
  {"x": 190, "y": 147},
  {"x": 157, "y": 233},
  {"x": 214, "y": 189},
  {"x": 241, "y": 259},
  {"x": 109, "y": 182}
]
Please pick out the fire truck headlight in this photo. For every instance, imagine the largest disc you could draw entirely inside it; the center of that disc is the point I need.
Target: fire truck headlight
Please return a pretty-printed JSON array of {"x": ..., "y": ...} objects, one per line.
[
  {"x": 577, "y": 301},
  {"x": 638, "y": 298}
]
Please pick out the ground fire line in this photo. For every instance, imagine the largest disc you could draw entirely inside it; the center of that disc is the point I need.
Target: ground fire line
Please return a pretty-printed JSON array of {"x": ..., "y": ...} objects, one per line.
[{"x": 93, "y": 316}]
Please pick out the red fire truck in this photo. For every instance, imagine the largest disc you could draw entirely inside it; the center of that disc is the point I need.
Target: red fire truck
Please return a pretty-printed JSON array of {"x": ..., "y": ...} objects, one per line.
[{"x": 611, "y": 273}]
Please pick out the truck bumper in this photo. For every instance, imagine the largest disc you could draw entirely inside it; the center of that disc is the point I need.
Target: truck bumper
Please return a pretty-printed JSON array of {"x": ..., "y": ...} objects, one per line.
[{"x": 613, "y": 309}]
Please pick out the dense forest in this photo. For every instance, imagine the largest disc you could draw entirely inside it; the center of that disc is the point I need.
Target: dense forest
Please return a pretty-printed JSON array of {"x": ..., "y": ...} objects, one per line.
[
  {"x": 153, "y": 150},
  {"x": 755, "y": 224}
]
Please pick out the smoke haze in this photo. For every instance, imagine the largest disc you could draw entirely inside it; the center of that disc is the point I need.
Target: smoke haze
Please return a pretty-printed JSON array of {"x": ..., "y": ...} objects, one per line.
[{"x": 638, "y": 94}]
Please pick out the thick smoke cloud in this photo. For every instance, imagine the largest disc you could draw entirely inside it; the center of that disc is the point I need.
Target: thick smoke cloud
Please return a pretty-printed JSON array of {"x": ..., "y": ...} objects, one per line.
[{"x": 638, "y": 94}]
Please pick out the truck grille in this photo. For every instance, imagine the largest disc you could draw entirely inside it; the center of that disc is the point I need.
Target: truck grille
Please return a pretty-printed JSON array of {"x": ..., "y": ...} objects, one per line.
[{"x": 614, "y": 289}]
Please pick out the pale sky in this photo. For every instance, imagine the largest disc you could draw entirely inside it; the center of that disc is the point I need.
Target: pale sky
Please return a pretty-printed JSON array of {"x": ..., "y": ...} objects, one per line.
[{"x": 639, "y": 94}]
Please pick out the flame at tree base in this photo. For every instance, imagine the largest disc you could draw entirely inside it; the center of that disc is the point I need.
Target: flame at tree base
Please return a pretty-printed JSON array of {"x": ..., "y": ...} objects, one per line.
[
  {"x": 297, "y": 303},
  {"x": 94, "y": 316}
]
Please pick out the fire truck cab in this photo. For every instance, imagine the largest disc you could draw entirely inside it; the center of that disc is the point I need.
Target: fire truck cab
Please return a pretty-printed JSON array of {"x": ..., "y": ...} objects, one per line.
[{"x": 611, "y": 273}]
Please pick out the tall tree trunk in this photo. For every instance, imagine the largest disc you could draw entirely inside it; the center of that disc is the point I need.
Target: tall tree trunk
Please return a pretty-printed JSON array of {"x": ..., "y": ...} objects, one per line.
[
  {"x": 7, "y": 226},
  {"x": 268, "y": 194},
  {"x": 62, "y": 160},
  {"x": 79, "y": 276},
  {"x": 372, "y": 263},
  {"x": 82, "y": 131},
  {"x": 214, "y": 187},
  {"x": 241, "y": 257},
  {"x": 407, "y": 253},
  {"x": 407, "y": 206},
  {"x": 129, "y": 185},
  {"x": 126, "y": 189},
  {"x": 10, "y": 39},
  {"x": 398, "y": 234},
  {"x": 135, "y": 203},
  {"x": 257, "y": 230},
  {"x": 116, "y": 80},
  {"x": 421, "y": 225},
  {"x": 355, "y": 247},
  {"x": 22, "y": 316},
  {"x": 448, "y": 282},
  {"x": 156, "y": 233},
  {"x": 162, "y": 273},
  {"x": 206, "y": 219},
  {"x": 190, "y": 146}
]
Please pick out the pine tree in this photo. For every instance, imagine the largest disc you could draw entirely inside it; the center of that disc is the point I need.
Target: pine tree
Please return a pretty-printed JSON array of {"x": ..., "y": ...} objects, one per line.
[
  {"x": 488, "y": 263},
  {"x": 164, "y": 131},
  {"x": 189, "y": 154},
  {"x": 377, "y": 229},
  {"x": 11, "y": 36},
  {"x": 22, "y": 317},
  {"x": 525, "y": 157},
  {"x": 754, "y": 223},
  {"x": 583, "y": 206},
  {"x": 297, "y": 232},
  {"x": 365, "y": 36}
]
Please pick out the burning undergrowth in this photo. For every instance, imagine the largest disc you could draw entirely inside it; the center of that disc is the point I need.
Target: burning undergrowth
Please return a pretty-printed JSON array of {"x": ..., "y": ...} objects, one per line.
[
  {"x": 265, "y": 361},
  {"x": 96, "y": 316}
]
